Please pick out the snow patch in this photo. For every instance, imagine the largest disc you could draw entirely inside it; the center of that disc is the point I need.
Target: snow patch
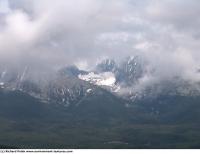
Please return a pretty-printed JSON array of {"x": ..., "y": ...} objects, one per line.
[
  {"x": 89, "y": 90},
  {"x": 102, "y": 79},
  {"x": 3, "y": 74},
  {"x": 24, "y": 73},
  {"x": 2, "y": 85}
]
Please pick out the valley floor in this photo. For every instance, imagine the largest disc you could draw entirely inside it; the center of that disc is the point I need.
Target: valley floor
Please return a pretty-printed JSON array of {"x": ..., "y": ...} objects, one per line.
[{"x": 47, "y": 135}]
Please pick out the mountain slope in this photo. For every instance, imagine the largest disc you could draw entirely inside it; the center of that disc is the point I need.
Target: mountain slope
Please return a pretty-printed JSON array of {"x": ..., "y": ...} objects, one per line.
[
  {"x": 99, "y": 121},
  {"x": 72, "y": 108}
]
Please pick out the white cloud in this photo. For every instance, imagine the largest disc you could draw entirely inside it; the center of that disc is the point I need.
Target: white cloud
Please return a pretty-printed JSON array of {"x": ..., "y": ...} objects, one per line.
[
  {"x": 4, "y": 7},
  {"x": 165, "y": 33}
]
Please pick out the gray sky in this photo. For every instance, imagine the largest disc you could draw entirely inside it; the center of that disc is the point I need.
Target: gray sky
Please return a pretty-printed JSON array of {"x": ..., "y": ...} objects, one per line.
[{"x": 54, "y": 33}]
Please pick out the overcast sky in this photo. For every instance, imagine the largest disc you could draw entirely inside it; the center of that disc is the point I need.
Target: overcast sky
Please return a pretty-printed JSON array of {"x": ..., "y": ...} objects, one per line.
[{"x": 48, "y": 33}]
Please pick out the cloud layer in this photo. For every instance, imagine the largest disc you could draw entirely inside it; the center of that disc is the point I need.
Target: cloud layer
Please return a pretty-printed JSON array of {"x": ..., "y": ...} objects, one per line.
[{"x": 47, "y": 34}]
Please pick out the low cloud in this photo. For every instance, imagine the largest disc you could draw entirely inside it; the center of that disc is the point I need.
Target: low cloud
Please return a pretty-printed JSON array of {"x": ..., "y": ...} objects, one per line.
[{"x": 46, "y": 34}]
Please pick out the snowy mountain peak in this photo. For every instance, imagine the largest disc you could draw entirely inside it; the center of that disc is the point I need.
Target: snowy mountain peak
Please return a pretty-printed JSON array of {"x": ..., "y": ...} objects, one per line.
[
  {"x": 107, "y": 65},
  {"x": 101, "y": 79},
  {"x": 71, "y": 71}
]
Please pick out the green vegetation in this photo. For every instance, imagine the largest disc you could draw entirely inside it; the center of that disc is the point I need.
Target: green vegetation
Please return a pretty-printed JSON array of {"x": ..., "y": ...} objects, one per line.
[{"x": 99, "y": 121}]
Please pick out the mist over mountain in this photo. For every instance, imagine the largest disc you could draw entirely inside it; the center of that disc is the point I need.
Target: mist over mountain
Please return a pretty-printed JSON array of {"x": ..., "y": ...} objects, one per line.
[
  {"x": 49, "y": 36},
  {"x": 99, "y": 74}
]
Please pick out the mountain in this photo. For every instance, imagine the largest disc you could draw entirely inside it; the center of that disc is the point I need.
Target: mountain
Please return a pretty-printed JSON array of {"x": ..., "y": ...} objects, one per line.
[
  {"x": 59, "y": 88},
  {"x": 71, "y": 71},
  {"x": 99, "y": 121},
  {"x": 69, "y": 84},
  {"x": 115, "y": 76},
  {"x": 106, "y": 65},
  {"x": 73, "y": 108},
  {"x": 127, "y": 71},
  {"x": 123, "y": 78}
]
